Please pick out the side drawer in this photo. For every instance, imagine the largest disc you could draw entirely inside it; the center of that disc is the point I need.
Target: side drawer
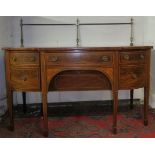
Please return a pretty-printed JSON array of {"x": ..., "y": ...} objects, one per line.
[
  {"x": 25, "y": 79},
  {"x": 132, "y": 57},
  {"x": 131, "y": 77},
  {"x": 24, "y": 58}
]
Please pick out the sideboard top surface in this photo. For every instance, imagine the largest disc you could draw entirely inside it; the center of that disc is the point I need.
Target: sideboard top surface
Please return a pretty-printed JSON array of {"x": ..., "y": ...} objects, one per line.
[{"x": 77, "y": 48}]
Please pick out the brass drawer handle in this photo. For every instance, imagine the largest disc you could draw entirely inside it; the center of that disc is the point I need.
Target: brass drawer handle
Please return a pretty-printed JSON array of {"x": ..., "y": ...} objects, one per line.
[
  {"x": 142, "y": 56},
  {"x": 134, "y": 76},
  {"x": 126, "y": 57},
  {"x": 105, "y": 58},
  {"x": 53, "y": 58},
  {"x": 24, "y": 78},
  {"x": 14, "y": 58}
]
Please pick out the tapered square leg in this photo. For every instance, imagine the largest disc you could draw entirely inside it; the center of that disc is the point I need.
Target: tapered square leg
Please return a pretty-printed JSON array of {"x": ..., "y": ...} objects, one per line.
[
  {"x": 44, "y": 94},
  {"x": 146, "y": 102},
  {"x": 45, "y": 133},
  {"x": 114, "y": 130},
  {"x": 146, "y": 122},
  {"x": 45, "y": 118},
  {"x": 10, "y": 108}
]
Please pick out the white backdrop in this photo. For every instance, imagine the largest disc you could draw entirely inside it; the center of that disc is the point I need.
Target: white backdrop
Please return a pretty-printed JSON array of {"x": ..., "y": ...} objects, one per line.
[
  {"x": 89, "y": 36},
  {"x": 5, "y": 40}
]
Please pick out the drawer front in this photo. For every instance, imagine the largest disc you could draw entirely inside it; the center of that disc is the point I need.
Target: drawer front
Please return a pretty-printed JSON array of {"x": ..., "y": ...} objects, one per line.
[
  {"x": 80, "y": 58},
  {"x": 131, "y": 77},
  {"x": 24, "y": 58},
  {"x": 132, "y": 57},
  {"x": 25, "y": 79}
]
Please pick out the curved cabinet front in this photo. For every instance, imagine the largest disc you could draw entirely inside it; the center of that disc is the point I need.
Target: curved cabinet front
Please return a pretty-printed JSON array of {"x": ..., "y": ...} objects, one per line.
[{"x": 93, "y": 68}]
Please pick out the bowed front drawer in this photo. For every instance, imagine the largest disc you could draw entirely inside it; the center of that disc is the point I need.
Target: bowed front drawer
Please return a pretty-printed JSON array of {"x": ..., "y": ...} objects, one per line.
[
  {"x": 25, "y": 79},
  {"x": 24, "y": 58},
  {"x": 131, "y": 77},
  {"x": 133, "y": 57}
]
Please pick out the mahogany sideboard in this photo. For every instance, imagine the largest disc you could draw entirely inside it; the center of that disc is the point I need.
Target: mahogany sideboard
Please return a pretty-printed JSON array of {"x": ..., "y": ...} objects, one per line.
[{"x": 84, "y": 68}]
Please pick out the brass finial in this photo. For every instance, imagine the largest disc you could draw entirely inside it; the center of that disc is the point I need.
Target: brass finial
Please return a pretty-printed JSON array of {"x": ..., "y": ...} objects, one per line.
[
  {"x": 77, "y": 35},
  {"x": 21, "y": 29},
  {"x": 131, "y": 35}
]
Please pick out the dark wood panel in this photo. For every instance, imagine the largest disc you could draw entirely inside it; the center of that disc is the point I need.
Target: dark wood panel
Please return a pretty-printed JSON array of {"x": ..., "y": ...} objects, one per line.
[{"x": 80, "y": 80}]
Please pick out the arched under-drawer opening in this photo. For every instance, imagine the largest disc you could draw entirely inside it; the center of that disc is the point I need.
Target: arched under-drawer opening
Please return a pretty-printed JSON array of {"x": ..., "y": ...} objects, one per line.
[{"x": 76, "y": 80}]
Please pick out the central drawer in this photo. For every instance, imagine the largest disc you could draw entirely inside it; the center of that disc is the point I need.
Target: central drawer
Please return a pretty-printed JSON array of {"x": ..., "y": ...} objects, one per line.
[{"x": 79, "y": 58}]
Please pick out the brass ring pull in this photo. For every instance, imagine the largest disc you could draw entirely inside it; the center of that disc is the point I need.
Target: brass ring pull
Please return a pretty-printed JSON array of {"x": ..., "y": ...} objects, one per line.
[
  {"x": 24, "y": 78},
  {"x": 105, "y": 58},
  {"x": 126, "y": 57},
  {"x": 142, "y": 56},
  {"x": 134, "y": 76},
  {"x": 14, "y": 58},
  {"x": 53, "y": 58}
]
